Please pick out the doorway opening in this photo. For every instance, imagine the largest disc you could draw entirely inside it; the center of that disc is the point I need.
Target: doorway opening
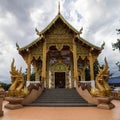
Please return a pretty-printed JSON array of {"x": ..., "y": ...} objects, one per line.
[{"x": 59, "y": 79}]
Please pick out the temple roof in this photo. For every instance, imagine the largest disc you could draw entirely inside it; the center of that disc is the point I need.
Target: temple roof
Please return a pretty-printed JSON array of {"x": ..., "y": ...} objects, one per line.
[
  {"x": 88, "y": 43},
  {"x": 59, "y": 16},
  {"x": 31, "y": 44}
]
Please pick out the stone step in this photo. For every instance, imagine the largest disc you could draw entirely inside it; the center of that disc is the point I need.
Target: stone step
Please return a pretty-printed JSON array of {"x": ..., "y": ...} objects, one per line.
[
  {"x": 75, "y": 100},
  {"x": 61, "y": 105},
  {"x": 60, "y": 97}
]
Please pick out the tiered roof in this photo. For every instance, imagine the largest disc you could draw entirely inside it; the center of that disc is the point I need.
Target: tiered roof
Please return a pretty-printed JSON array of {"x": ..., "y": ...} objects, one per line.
[{"x": 59, "y": 16}]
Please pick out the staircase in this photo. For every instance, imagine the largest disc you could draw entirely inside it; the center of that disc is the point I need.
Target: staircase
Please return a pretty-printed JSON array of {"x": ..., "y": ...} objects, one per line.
[{"x": 60, "y": 97}]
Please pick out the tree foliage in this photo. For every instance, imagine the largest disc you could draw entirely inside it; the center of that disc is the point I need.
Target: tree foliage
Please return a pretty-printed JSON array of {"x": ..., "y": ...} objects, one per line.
[
  {"x": 116, "y": 46},
  {"x": 32, "y": 76},
  {"x": 96, "y": 64},
  {"x": 87, "y": 71},
  {"x": 5, "y": 86}
]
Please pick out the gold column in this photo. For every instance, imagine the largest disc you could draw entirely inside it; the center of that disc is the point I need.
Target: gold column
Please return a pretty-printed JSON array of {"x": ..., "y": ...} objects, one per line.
[
  {"x": 67, "y": 79},
  {"x": 75, "y": 60},
  {"x": 44, "y": 62},
  {"x": 72, "y": 80},
  {"x": 36, "y": 75},
  {"x": 29, "y": 67},
  {"x": 47, "y": 72},
  {"x": 83, "y": 75},
  {"x": 91, "y": 66}
]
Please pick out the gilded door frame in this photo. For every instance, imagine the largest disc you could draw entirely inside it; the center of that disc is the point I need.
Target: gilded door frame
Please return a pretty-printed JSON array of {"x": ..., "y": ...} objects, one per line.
[{"x": 53, "y": 70}]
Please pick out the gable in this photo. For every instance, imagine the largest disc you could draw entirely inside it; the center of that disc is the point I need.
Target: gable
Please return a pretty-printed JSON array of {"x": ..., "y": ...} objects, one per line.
[
  {"x": 59, "y": 33},
  {"x": 37, "y": 51},
  {"x": 59, "y": 16}
]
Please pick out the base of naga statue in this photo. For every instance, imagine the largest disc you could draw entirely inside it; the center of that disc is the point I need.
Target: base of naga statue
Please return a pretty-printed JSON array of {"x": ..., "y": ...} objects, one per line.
[
  {"x": 14, "y": 103},
  {"x": 1, "y": 101},
  {"x": 105, "y": 103}
]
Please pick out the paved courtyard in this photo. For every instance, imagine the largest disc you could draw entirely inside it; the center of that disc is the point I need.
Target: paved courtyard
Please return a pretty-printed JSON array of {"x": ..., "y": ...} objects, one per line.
[{"x": 62, "y": 113}]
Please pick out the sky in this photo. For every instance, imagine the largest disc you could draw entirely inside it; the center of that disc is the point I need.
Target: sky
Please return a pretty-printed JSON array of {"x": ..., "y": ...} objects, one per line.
[{"x": 19, "y": 18}]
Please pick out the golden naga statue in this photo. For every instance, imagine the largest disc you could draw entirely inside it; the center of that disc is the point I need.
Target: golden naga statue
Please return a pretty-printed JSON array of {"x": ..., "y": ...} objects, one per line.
[
  {"x": 102, "y": 88},
  {"x": 17, "y": 88}
]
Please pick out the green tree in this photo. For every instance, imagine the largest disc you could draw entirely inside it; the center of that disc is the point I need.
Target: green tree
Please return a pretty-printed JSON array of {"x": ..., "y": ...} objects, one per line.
[
  {"x": 87, "y": 71},
  {"x": 5, "y": 86},
  {"x": 96, "y": 64},
  {"x": 116, "y": 46},
  {"x": 32, "y": 76}
]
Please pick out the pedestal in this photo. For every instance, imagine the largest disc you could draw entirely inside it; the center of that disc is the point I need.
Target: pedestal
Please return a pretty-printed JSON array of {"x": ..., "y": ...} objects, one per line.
[
  {"x": 1, "y": 102},
  {"x": 105, "y": 103},
  {"x": 14, "y": 103}
]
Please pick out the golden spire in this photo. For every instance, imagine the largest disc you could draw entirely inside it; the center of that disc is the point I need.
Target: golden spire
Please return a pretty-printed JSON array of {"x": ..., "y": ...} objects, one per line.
[{"x": 59, "y": 7}]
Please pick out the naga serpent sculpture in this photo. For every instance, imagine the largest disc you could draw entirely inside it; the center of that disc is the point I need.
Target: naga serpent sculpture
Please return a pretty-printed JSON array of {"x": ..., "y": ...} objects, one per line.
[
  {"x": 102, "y": 88},
  {"x": 17, "y": 87}
]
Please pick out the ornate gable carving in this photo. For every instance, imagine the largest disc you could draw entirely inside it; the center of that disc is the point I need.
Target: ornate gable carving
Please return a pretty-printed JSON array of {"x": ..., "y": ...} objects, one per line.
[
  {"x": 37, "y": 51},
  {"x": 59, "y": 33},
  {"x": 82, "y": 50}
]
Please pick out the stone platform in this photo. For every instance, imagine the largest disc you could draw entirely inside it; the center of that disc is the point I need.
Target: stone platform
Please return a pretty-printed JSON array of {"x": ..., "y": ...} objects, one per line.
[
  {"x": 1, "y": 102},
  {"x": 14, "y": 103},
  {"x": 105, "y": 103}
]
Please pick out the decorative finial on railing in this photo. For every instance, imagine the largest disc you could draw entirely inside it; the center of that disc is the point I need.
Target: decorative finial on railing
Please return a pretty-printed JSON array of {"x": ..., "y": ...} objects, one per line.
[
  {"x": 17, "y": 46},
  {"x": 37, "y": 31},
  {"x": 103, "y": 45},
  {"x": 81, "y": 30},
  {"x": 59, "y": 7}
]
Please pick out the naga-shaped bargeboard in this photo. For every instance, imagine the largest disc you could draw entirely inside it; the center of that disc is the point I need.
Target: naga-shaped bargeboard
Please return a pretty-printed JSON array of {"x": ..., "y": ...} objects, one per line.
[
  {"x": 102, "y": 88},
  {"x": 17, "y": 87}
]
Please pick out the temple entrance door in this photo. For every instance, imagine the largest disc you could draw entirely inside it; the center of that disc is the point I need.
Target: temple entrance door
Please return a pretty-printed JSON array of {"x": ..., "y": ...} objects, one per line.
[{"x": 59, "y": 79}]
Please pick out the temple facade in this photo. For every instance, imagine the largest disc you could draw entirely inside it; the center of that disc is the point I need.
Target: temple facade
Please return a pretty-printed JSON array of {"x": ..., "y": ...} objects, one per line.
[{"x": 59, "y": 55}]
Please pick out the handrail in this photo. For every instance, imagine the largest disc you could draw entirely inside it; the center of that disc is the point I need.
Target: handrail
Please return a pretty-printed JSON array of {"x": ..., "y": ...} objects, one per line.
[{"x": 84, "y": 90}]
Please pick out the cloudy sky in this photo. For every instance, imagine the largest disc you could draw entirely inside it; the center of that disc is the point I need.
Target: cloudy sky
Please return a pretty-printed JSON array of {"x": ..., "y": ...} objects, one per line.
[{"x": 19, "y": 18}]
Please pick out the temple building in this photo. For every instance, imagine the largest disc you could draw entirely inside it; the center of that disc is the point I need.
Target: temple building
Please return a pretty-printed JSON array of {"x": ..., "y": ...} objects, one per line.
[{"x": 59, "y": 55}]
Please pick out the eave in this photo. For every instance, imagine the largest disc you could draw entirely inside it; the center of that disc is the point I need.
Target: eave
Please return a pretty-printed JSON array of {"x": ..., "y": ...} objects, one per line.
[
  {"x": 88, "y": 43},
  {"x": 35, "y": 42},
  {"x": 76, "y": 33}
]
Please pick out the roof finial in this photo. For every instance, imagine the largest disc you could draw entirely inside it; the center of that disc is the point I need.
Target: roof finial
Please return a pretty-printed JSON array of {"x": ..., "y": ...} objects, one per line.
[
  {"x": 59, "y": 7},
  {"x": 80, "y": 32}
]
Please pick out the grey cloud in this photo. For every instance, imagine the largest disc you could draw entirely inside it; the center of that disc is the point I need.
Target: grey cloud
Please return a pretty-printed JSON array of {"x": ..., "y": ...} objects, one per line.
[
  {"x": 108, "y": 12},
  {"x": 102, "y": 15},
  {"x": 79, "y": 16},
  {"x": 18, "y": 8},
  {"x": 18, "y": 28},
  {"x": 21, "y": 9}
]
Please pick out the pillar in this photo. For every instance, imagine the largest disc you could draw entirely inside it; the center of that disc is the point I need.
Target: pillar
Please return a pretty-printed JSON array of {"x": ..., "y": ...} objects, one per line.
[
  {"x": 36, "y": 75},
  {"x": 72, "y": 74},
  {"x": 44, "y": 62},
  {"x": 75, "y": 60},
  {"x": 91, "y": 66},
  {"x": 83, "y": 74},
  {"x": 29, "y": 67}
]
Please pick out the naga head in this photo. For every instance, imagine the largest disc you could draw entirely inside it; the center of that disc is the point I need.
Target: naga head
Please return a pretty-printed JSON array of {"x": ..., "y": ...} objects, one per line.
[
  {"x": 103, "y": 73},
  {"x": 102, "y": 80},
  {"x": 13, "y": 68},
  {"x": 14, "y": 72},
  {"x": 105, "y": 70}
]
